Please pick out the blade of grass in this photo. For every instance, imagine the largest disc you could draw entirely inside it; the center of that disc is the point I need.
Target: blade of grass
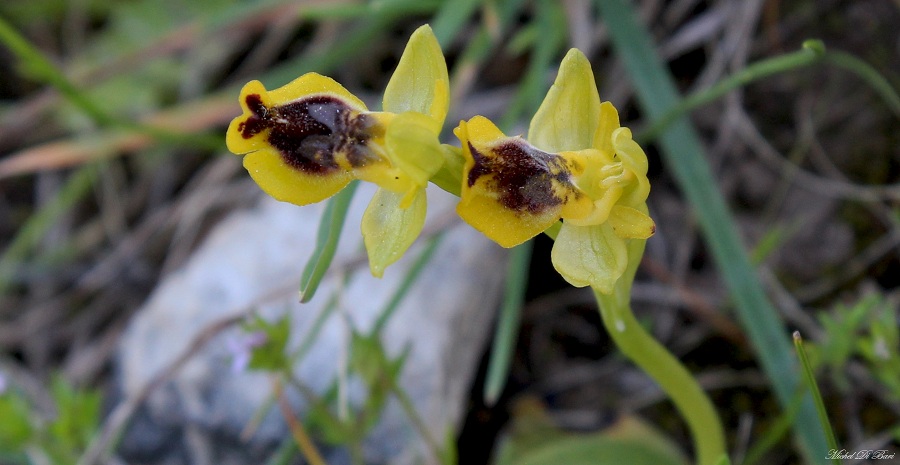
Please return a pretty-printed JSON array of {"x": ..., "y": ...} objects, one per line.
[
  {"x": 816, "y": 395},
  {"x": 551, "y": 21},
  {"x": 76, "y": 186},
  {"x": 327, "y": 238},
  {"x": 507, "y": 331},
  {"x": 683, "y": 154},
  {"x": 37, "y": 66}
]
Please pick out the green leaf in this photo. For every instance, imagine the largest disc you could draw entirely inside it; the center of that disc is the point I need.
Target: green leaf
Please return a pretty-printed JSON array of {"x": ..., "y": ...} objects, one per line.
[
  {"x": 76, "y": 422},
  {"x": 272, "y": 354},
  {"x": 629, "y": 441},
  {"x": 328, "y": 426},
  {"x": 15, "y": 428},
  {"x": 329, "y": 233}
]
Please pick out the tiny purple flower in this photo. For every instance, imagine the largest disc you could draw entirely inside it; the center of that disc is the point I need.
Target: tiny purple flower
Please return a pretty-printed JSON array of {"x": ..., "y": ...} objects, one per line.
[{"x": 241, "y": 346}]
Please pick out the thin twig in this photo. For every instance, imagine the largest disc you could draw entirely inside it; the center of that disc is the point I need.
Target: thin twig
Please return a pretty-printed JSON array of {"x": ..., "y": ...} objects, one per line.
[{"x": 301, "y": 437}]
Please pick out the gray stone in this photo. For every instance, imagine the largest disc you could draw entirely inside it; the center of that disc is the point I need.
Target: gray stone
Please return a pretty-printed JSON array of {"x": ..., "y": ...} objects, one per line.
[{"x": 444, "y": 320}]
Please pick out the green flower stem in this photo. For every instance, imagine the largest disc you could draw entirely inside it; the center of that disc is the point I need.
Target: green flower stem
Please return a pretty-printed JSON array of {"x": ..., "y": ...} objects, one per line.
[
  {"x": 811, "y": 53},
  {"x": 640, "y": 347},
  {"x": 868, "y": 74}
]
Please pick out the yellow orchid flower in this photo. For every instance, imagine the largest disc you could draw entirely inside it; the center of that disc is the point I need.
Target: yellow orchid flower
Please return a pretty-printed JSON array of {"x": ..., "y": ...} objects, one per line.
[
  {"x": 305, "y": 141},
  {"x": 577, "y": 165}
]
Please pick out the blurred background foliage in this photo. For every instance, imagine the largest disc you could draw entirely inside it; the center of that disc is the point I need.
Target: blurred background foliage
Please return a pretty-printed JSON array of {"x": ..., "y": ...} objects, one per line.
[{"x": 113, "y": 168}]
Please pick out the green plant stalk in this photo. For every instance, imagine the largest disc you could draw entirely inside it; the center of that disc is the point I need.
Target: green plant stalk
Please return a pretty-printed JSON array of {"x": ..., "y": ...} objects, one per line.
[
  {"x": 867, "y": 73},
  {"x": 817, "y": 396},
  {"x": 26, "y": 239},
  {"x": 683, "y": 154},
  {"x": 642, "y": 349},
  {"x": 811, "y": 53}
]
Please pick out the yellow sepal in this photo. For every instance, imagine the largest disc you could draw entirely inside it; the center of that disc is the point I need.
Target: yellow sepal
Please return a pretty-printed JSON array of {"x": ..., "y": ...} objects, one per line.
[
  {"x": 589, "y": 256},
  {"x": 420, "y": 83},
  {"x": 567, "y": 118},
  {"x": 388, "y": 230},
  {"x": 630, "y": 223}
]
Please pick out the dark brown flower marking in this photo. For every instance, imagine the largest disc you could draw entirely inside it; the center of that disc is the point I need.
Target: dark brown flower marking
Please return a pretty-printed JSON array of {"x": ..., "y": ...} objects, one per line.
[
  {"x": 522, "y": 176},
  {"x": 310, "y": 132}
]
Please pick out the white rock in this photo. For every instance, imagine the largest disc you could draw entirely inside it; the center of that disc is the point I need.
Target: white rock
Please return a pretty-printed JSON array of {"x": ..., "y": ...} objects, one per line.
[{"x": 445, "y": 320}]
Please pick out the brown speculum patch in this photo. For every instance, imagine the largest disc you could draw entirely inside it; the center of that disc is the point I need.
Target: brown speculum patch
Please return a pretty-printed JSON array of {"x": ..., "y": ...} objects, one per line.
[
  {"x": 522, "y": 176},
  {"x": 310, "y": 132}
]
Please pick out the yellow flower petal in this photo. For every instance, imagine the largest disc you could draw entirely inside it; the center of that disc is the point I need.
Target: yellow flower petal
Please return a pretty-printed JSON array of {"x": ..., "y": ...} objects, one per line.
[
  {"x": 305, "y": 139},
  {"x": 388, "y": 230},
  {"x": 236, "y": 139},
  {"x": 630, "y": 223},
  {"x": 512, "y": 191},
  {"x": 635, "y": 161},
  {"x": 420, "y": 82},
  {"x": 287, "y": 184},
  {"x": 607, "y": 123},
  {"x": 568, "y": 116},
  {"x": 601, "y": 208},
  {"x": 589, "y": 256}
]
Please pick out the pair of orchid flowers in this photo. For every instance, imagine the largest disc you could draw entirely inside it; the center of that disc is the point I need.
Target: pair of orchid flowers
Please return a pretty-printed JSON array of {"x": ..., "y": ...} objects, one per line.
[{"x": 304, "y": 142}]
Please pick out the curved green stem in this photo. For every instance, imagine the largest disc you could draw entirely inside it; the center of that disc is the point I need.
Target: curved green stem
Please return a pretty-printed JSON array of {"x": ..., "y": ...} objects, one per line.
[
  {"x": 640, "y": 347},
  {"x": 867, "y": 73},
  {"x": 811, "y": 53}
]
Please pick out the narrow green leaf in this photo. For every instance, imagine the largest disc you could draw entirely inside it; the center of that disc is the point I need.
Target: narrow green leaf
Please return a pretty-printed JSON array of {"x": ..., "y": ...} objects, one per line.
[
  {"x": 551, "y": 20},
  {"x": 330, "y": 227},
  {"x": 817, "y": 396},
  {"x": 76, "y": 186},
  {"x": 683, "y": 154},
  {"x": 507, "y": 331}
]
